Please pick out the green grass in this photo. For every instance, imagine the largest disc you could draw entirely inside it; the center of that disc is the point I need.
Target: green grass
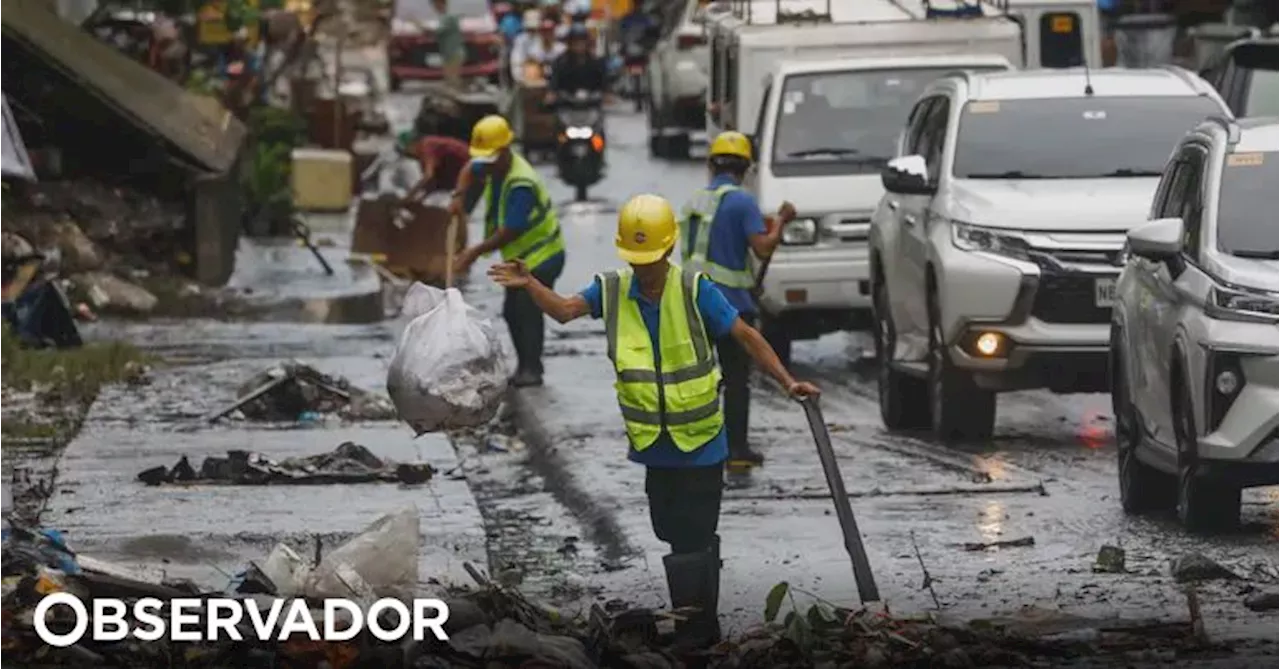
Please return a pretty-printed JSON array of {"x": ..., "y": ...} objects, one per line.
[{"x": 66, "y": 381}]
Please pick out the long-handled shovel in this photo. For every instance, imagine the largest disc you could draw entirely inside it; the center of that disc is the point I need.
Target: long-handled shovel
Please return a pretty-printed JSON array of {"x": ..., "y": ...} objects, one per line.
[{"x": 867, "y": 590}]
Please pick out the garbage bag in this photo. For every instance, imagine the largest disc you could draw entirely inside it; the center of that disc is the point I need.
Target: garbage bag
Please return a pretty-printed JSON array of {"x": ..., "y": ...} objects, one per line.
[
  {"x": 384, "y": 556},
  {"x": 448, "y": 371}
]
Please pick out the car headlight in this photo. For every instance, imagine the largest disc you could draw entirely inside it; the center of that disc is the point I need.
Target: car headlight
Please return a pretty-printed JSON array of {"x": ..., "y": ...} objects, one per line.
[
  {"x": 991, "y": 240},
  {"x": 1228, "y": 304},
  {"x": 800, "y": 231},
  {"x": 582, "y": 132}
]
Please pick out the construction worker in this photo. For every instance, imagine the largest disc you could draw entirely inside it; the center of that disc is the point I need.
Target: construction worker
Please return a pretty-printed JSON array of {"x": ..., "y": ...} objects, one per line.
[
  {"x": 519, "y": 219},
  {"x": 720, "y": 225},
  {"x": 660, "y": 321}
]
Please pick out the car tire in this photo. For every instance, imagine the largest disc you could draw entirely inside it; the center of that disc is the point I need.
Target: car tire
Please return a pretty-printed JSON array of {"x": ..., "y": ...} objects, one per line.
[
  {"x": 904, "y": 399},
  {"x": 775, "y": 332},
  {"x": 657, "y": 141},
  {"x": 1143, "y": 488},
  {"x": 1204, "y": 506},
  {"x": 958, "y": 408},
  {"x": 394, "y": 83}
]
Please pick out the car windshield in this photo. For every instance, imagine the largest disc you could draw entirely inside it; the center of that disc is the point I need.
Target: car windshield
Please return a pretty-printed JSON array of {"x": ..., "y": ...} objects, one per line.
[
  {"x": 1264, "y": 94},
  {"x": 845, "y": 122},
  {"x": 1074, "y": 138},
  {"x": 1247, "y": 205}
]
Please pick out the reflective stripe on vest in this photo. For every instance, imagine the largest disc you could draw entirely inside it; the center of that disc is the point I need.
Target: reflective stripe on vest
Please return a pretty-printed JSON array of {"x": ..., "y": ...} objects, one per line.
[
  {"x": 542, "y": 240},
  {"x": 702, "y": 210},
  {"x": 684, "y": 396}
]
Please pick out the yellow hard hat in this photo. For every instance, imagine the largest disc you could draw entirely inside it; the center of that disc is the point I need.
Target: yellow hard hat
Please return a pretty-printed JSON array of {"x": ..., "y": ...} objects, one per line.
[
  {"x": 490, "y": 135},
  {"x": 646, "y": 229},
  {"x": 731, "y": 143}
]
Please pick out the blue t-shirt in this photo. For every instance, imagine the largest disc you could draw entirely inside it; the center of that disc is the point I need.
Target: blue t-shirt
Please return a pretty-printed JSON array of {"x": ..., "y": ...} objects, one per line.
[
  {"x": 511, "y": 26},
  {"x": 737, "y": 219},
  {"x": 520, "y": 204},
  {"x": 718, "y": 315}
]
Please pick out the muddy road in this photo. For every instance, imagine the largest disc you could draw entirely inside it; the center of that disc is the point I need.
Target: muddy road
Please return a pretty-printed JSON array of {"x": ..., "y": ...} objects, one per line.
[
  {"x": 566, "y": 514},
  {"x": 548, "y": 500}
]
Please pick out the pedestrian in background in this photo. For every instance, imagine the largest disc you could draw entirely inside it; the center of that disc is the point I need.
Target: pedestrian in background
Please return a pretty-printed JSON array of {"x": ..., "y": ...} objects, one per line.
[
  {"x": 520, "y": 220},
  {"x": 720, "y": 227},
  {"x": 450, "y": 42},
  {"x": 659, "y": 322}
]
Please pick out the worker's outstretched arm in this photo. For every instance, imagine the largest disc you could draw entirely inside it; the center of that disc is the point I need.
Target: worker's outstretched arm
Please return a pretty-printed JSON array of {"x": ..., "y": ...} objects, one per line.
[
  {"x": 765, "y": 243},
  {"x": 563, "y": 308},
  {"x": 764, "y": 355}
]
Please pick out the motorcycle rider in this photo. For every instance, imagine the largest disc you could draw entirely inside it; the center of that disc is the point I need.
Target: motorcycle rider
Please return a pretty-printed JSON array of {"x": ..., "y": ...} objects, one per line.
[
  {"x": 577, "y": 69},
  {"x": 537, "y": 45}
]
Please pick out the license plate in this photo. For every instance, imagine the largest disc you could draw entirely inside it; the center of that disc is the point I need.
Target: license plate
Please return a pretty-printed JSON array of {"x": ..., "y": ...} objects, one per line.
[
  {"x": 1104, "y": 292},
  {"x": 434, "y": 60},
  {"x": 636, "y": 69},
  {"x": 579, "y": 150}
]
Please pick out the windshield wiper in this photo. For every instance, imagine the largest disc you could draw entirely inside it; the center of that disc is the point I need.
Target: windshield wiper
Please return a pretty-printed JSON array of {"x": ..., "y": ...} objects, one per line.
[
  {"x": 1257, "y": 255},
  {"x": 1011, "y": 174},
  {"x": 1130, "y": 172},
  {"x": 824, "y": 150}
]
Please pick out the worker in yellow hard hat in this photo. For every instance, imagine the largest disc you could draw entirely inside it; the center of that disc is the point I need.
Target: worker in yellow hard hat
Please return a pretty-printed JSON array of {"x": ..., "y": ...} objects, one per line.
[
  {"x": 520, "y": 220},
  {"x": 719, "y": 226},
  {"x": 669, "y": 394}
]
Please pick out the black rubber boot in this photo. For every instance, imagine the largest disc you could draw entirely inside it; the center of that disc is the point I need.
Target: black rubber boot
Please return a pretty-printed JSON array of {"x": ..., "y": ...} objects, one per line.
[{"x": 693, "y": 580}]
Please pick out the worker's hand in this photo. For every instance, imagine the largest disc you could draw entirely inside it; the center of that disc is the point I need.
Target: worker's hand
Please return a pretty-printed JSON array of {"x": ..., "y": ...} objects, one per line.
[
  {"x": 512, "y": 274},
  {"x": 456, "y": 207},
  {"x": 463, "y": 262},
  {"x": 786, "y": 213},
  {"x": 803, "y": 390}
]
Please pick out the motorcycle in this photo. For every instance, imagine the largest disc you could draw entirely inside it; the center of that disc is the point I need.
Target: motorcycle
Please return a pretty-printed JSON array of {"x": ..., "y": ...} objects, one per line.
[
  {"x": 580, "y": 145},
  {"x": 635, "y": 58}
]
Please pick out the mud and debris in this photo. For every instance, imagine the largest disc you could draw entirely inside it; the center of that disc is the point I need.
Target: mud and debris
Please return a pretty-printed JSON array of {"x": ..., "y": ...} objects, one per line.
[
  {"x": 348, "y": 463},
  {"x": 292, "y": 391}
]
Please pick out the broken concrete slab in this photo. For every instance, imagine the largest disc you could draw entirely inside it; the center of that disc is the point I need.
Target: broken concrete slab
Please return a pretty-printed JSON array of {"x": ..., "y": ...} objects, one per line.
[
  {"x": 111, "y": 294},
  {"x": 1194, "y": 567}
]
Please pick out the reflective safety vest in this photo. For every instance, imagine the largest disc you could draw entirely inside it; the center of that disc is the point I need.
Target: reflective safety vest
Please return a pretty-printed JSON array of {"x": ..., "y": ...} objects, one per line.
[
  {"x": 542, "y": 240},
  {"x": 684, "y": 397},
  {"x": 701, "y": 210}
]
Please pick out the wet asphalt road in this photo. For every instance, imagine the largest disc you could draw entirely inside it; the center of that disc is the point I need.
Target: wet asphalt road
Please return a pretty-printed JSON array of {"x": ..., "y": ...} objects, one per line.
[
  {"x": 549, "y": 500},
  {"x": 565, "y": 512}
]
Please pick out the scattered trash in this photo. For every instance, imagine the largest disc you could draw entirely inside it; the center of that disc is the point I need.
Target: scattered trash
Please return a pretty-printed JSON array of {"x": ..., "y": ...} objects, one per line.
[
  {"x": 1022, "y": 542},
  {"x": 1196, "y": 567},
  {"x": 292, "y": 391},
  {"x": 448, "y": 370},
  {"x": 1110, "y": 560},
  {"x": 348, "y": 463}
]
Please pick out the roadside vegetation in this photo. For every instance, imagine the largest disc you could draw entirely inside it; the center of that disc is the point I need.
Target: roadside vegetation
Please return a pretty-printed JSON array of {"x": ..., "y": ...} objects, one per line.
[{"x": 47, "y": 391}]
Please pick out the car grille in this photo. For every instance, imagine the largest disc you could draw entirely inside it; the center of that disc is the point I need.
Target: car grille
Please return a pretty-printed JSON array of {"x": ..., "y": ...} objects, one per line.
[
  {"x": 1067, "y": 298},
  {"x": 416, "y": 55}
]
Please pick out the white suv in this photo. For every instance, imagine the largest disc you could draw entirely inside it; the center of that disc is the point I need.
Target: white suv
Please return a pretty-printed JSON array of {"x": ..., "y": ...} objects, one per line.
[
  {"x": 1194, "y": 331},
  {"x": 678, "y": 86},
  {"x": 995, "y": 249}
]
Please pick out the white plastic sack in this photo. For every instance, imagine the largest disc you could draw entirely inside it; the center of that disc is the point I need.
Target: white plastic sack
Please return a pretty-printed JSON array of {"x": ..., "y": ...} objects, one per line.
[
  {"x": 383, "y": 558},
  {"x": 448, "y": 371}
]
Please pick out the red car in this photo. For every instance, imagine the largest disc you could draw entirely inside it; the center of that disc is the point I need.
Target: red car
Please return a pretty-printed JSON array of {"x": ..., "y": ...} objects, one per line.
[{"x": 412, "y": 53}]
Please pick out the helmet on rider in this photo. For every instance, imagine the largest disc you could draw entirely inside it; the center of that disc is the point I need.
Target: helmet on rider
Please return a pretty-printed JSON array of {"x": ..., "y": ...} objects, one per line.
[{"x": 646, "y": 230}]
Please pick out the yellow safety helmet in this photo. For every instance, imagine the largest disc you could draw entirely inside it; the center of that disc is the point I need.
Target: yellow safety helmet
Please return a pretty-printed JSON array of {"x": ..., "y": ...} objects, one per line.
[
  {"x": 646, "y": 229},
  {"x": 490, "y": 135},
  {"x": 731, "y": 143}
]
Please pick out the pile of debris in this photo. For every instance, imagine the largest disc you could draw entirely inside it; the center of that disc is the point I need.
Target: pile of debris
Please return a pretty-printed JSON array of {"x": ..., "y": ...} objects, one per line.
[
  {"x": 348, "y": 463},
  {"x": 292, "y": 391}
]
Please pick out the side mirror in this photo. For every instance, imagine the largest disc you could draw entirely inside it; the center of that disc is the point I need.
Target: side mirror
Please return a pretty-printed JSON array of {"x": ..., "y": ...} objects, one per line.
[
  {"x": 907, "y": 175},
  {"x": 1158, "y": 240}
]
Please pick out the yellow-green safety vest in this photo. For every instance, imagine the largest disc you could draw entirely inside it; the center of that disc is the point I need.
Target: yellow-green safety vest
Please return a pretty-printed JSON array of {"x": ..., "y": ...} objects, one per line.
[
  {"x": 685, "y": 397},
  {"x": 542, "y": 240},
  {"x": 702, "y": 210}
]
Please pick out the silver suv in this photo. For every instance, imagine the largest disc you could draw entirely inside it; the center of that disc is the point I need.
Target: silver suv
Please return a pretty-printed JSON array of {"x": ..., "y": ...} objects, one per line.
[
  {"x": 994, "y": 252},
  {"x": 1194, "y": 331}
]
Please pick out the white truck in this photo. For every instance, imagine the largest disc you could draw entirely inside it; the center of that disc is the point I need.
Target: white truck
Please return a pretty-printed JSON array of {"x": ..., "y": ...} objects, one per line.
[{"x": 845, "y": 75}]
